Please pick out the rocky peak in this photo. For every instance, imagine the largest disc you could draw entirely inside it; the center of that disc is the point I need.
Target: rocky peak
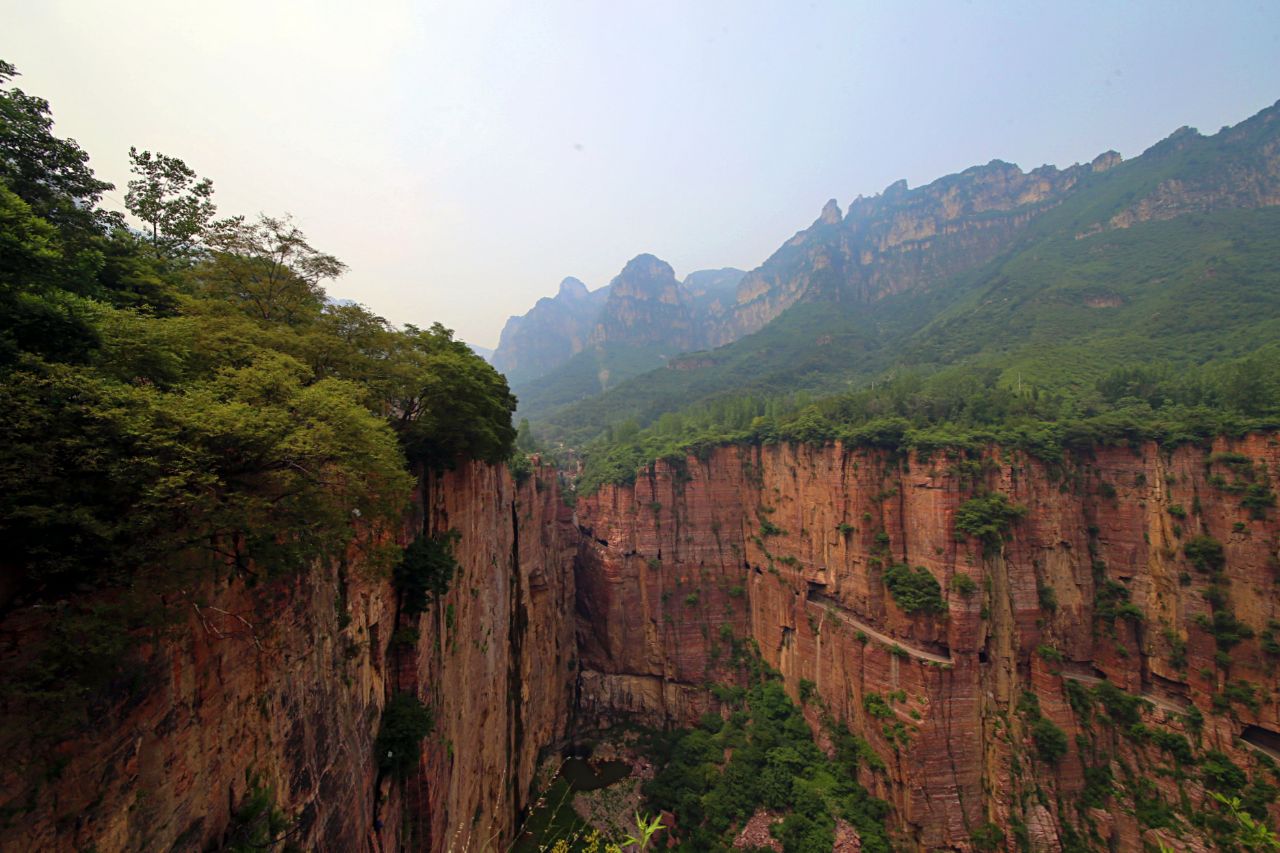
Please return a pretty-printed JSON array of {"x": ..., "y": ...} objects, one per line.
[
  {"x": 831, "y": 214},
  {"x": 643, "y": 274},
  {"x": 551, "y": 333},
  {"x": 1106, "y": 160},
  {"x": 646, "y": 305},
  {"x": 572, "y": 288}
]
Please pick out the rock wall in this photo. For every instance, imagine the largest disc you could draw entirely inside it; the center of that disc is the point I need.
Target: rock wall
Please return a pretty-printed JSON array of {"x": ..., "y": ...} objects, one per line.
[
  {"x": 787, "y": 546},
  {"x": 287, "y": 680}
]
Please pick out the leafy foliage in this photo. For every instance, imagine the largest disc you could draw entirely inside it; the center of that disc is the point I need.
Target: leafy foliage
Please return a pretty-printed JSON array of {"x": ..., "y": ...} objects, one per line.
[
  {"x": 425, "y": 569},
  {"x": 185, "y": 405},
  {"x": 774, "y": 764},
  {"x": 988, "y": 518},
  {"x": 915, "y": 591},
  {"x": 257, "y": 824},
  {"x": 405, "y": 722}
]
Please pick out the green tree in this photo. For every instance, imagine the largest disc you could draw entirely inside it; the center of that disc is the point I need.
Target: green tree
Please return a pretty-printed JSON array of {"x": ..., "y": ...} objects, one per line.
[
  {"x": 52, "y": 175},
  {"x": 174, "y": 202},
  {"x": 450, "y": 402},
  {"x": 268, "y": 269}
]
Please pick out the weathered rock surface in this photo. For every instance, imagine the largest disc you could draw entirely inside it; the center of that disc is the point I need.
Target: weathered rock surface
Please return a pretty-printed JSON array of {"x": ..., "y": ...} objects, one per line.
[
  {"x": 787, "y": 546},
  {"x": 288, "y": 680},
  {"x": 550, "y": 333}
]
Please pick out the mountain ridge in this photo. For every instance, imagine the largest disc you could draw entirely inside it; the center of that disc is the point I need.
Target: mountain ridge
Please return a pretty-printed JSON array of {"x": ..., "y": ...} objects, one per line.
[{"x": 907, "y": 258}]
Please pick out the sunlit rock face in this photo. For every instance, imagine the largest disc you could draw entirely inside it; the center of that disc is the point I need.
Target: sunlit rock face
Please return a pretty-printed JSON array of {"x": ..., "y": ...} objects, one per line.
[{"x": 787, "y": 546}]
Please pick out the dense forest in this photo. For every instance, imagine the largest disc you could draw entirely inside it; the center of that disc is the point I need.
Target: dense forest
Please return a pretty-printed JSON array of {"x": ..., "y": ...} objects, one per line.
[{"x": 180, "y": 401}]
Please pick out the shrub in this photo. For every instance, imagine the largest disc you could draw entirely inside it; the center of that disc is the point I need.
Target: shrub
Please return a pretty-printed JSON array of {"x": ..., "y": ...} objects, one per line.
[
  {"x": 987, "y": 837},
  {"x": 1049, "y": 653},
  {"x": 1205, "y": 553},
  {"x": 1048, "y": 598},
  {"x": 1220, "y": 773},
  {"x": 1051, "y": 741},
  {"x": 425, "y": 569},
  {"x": 988, "y": 518},
  {"x": 405, "y": 722},
  {"x": 963, "y": 584},
  {"x": 915, "y": 591},
  {"x": 1258, "y": 499}
]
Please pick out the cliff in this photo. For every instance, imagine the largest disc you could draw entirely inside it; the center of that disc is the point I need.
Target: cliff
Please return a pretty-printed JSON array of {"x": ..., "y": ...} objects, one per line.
[
  {"x": 789, "y": 546},
  {"x": 285, "y": 683}
]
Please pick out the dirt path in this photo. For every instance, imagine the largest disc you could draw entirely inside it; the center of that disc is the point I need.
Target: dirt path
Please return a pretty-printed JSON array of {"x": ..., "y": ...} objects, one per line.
[{"x": 829, "y": 605}]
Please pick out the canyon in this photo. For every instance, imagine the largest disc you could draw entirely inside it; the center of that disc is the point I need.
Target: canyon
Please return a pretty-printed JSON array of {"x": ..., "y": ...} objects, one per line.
[{"x": 622, "y": 609}]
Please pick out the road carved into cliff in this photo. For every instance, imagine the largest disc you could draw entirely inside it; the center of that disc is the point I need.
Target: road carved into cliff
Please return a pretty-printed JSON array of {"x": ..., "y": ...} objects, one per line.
[
  {"x": 1157, "y": 701},
  {"x": 827, "y": 604}
]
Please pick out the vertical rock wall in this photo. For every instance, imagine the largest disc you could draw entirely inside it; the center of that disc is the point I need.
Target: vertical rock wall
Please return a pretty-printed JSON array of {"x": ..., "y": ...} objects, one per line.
[
  {"x": 287, "y": 680},
  {"x": 787, "y": 546}
]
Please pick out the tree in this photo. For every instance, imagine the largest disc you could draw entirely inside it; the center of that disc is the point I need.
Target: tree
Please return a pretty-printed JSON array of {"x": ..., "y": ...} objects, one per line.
[
  {"x": 170, "y": 198},
  {"x": 450, "y": 402},
  {"x": 268, "y": 268},
  {"x": 52, "y": 175}
]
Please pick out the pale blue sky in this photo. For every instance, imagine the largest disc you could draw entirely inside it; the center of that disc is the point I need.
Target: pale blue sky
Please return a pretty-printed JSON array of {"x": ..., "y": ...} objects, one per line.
[{"x": 462, "y": 158}]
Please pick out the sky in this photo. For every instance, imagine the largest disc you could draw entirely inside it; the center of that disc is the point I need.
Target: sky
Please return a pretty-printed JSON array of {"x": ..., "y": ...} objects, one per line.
[{"x": 464, "y": 157}]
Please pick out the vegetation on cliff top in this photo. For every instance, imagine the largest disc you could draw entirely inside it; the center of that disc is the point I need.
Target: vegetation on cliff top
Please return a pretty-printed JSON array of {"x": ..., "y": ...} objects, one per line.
[
  {"x": 1079, "y": 333},
  {"x": 185, "y": 399},
  {"x": 966, "y": 410}
]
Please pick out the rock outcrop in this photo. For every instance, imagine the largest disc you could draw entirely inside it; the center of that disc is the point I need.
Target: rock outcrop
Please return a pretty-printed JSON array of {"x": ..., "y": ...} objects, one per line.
[
  {"x": 788, "y": 547},
  {"x": 283, "y": 684},
  {"x": 553, "y": 331}
]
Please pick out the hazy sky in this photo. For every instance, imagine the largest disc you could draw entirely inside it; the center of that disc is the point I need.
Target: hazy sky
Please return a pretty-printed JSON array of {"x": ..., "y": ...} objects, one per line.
[{"x": 462, "y": 158}]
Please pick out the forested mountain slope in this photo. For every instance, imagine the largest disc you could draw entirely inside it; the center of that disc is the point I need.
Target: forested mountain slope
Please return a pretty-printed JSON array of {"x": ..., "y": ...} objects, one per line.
[{"x": 1169, "y": 256}]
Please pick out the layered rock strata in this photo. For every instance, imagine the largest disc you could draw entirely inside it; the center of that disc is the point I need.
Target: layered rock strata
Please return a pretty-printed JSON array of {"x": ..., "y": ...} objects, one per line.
[
  {"x": 282, "y": 686},
  {"x": 788, "y": 546}
]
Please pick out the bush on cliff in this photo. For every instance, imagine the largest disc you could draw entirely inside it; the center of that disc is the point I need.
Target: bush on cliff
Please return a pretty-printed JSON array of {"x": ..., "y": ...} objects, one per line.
[
  {"x": 425, "y": 570},
  {"x": 988, "y": 518},
  {"x": 405, "y": 722},
  {"x": 915, "y": 591}
]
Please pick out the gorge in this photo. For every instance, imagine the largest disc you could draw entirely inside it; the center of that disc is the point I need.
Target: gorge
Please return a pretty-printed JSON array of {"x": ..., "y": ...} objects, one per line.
[
  {"x": 952, "y": 526},
  {"x": 561, "y": 620}
]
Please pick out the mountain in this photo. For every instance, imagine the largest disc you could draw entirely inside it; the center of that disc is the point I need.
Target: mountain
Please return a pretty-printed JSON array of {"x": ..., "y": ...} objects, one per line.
[
  {"x": 550, "y": 333},
  {"x": 578, "y": 344},
  {"x": 1056, "y": 274},
  {"x": 483, "y": 352}
]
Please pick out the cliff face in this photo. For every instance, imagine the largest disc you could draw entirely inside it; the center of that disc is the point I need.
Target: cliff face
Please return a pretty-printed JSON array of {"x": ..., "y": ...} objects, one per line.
[
  {"x": 493, "y": 660},
  {"x": 646, "y": 305},
  {"x": 788, "y": 547},
  {"x": 901, "y": 238},
  {"x": 287, "y": 681}
]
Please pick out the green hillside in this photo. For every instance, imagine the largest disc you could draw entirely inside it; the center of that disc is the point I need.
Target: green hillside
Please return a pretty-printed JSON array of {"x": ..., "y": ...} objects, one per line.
[{"x": 1167, "y": 266}]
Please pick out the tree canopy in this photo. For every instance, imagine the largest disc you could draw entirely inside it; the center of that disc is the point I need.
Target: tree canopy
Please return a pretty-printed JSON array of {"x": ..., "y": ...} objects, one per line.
[{"x": 185, "y": 402}]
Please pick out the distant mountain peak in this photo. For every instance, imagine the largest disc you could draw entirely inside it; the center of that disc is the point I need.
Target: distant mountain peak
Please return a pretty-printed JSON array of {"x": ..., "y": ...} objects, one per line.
[
  {"x": 572, "y": 288},
  {"x": 831, "y": 214},
  {"x": 647, "y": 266},
  {"x": 1106, "y": 160}
]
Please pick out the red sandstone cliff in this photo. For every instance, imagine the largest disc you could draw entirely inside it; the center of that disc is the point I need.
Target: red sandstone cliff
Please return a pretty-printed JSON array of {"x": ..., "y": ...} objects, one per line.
[
  {"x": 751, "y": 539},
  {"x": 288, "y": 680}
]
